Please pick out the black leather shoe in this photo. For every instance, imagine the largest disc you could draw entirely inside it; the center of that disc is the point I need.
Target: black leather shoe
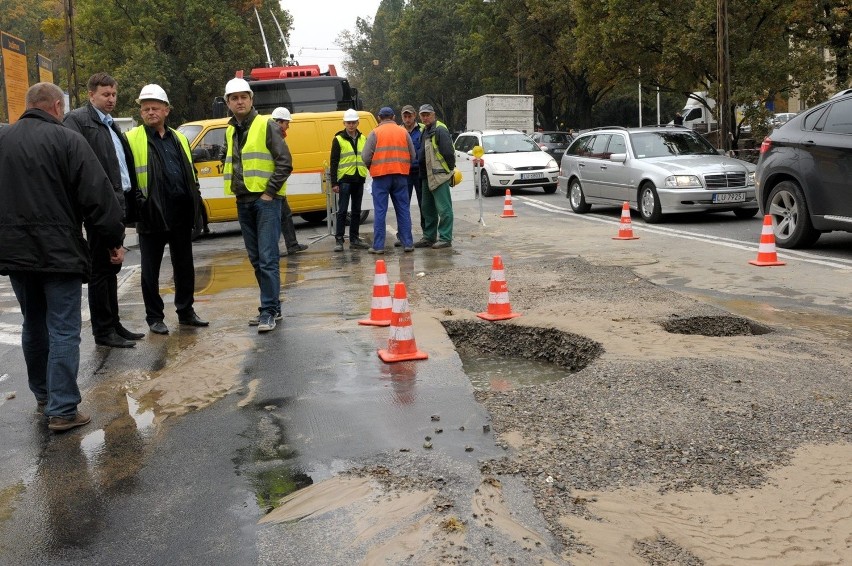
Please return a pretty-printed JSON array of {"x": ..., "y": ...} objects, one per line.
[
  {"x": 113, "y": 340},
  {"x": 127, "y": 334},
  {"x": 193, "y": 320},
  {"x": 297, "y": 248},
  {"x": 159, "y": 327}
]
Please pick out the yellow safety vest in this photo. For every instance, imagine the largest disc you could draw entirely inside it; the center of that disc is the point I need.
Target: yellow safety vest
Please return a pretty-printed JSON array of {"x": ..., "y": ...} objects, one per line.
[
  {"x": 258, "y": 164},
  {"x": 137, "y": 138},
  {"x": 350, "y": 161},
  {"x": 441, "y": 160}
]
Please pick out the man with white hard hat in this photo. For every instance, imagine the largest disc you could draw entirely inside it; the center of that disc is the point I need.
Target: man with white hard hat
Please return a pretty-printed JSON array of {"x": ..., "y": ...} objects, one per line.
[
  {"x": 348, "y": 173},
  {"x": 168, "y": 203},
  {"x": 282, "y": 117},
  {"x": 257, "y": 164}
]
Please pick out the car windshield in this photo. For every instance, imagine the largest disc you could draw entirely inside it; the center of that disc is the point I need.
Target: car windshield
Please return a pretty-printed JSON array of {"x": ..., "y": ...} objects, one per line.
[
  {"x": 664, "y": 144},
  {"x": 508, "y": 143},
  {"x": 190, "y": 131},
  {"x": 555, "y": 138}
]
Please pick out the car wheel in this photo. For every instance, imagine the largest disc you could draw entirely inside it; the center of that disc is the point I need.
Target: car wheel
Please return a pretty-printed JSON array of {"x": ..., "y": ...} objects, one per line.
[
  {"x": 649, "y": 204},
  {"x": 745, "y": 212},
  {"x": 549, "y": 189},
  {"x": 576, "y": 198},
  {"x": 791, "y": 221},
  {"x": 487, "y": 190},
  {"x": 313, "y": 217},
  {"x": 363, "y": 217}
]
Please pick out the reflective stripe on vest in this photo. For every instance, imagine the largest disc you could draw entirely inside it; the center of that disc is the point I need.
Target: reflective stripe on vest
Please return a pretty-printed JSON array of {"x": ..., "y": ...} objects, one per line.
[
  {"x": 137, "y": 138},
  {"x": 438, "y": 155},
  {"x": 258, "y": 164},
  {"x": 391, "y": 156},
  {"x": 350, "y": 161}
]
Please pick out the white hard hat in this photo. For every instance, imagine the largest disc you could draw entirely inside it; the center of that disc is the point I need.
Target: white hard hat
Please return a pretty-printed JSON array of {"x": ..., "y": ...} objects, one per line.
[
  {"x": 281, "y": 113},
  {"x": 237, "y": 85},
  {"x": 152, "y": 92},
  {"x": 351, "y": 116}
]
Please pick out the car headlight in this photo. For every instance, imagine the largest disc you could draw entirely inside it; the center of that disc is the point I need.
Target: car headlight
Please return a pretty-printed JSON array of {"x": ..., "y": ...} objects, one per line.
[
  {"x": 680, "y": 181},
  {"x": 552, "y": 164},
  {"x": 750, "y": 178},
  {"x": 497, "y": 166}
]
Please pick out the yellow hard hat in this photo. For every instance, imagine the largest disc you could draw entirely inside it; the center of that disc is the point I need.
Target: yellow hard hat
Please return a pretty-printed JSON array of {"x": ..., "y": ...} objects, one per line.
[{"x": 457, "y": 177}]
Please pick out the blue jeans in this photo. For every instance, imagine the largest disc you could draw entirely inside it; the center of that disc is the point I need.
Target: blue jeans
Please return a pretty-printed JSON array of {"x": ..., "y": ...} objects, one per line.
[
  {"x": 353, "y": 192},
  {"x": 50, "y": 303},
  {"x": 260, "y": 222},
  {"x": 395, "y": 186}
]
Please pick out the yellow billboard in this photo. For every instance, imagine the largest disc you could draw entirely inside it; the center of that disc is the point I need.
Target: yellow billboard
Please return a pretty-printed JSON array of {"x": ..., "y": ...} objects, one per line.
[
  {"x": 45, "y": 69},
  {"x": 14, "y": 53}
]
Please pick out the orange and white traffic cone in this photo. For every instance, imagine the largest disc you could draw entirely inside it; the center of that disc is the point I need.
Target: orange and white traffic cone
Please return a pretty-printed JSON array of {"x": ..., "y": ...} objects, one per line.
[
  {"x": 380, "y": 307},
  {"x": 401, "y": 345},
  {"x": 625, "y": 227},
  {"x": 766, "y": 254},
  {"x": 498, "y": 294},
  {"x": 508, "y": 211}
]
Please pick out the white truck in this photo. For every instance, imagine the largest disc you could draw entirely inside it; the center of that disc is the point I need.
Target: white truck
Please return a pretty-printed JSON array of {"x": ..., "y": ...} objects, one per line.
[
  {"x": 697, "y": 115},
  {"x": 501, "y": 111}
]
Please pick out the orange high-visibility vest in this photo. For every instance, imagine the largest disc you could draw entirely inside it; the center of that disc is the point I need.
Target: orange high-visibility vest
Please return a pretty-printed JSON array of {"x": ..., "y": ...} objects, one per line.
[{"x": 391, "y": 155}]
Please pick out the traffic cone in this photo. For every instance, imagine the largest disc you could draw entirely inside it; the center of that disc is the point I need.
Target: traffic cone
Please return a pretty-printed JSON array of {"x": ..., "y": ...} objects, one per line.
[
  {"x": 508, "y": 211},
  {"x": 625, "y": 228},
  {"x": 401, "y": 345},
  {"x": 380, "y": 307},
  {"x": 498, "y": 294},
  {"x": 766, "y": 255}
]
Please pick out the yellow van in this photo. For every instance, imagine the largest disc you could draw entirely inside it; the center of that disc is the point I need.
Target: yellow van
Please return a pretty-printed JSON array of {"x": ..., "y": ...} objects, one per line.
[{"x": 309, "y": 139}]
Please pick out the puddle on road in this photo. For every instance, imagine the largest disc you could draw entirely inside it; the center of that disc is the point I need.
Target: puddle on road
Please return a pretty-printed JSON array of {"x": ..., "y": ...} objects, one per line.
[
  {"x": 505, "y": 374},
  {"x": 507, "y": 356},
  {"x": 271, "y": 486}
]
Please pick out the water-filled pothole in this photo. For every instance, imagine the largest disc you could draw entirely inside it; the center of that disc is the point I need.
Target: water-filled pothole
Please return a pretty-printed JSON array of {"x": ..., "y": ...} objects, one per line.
[
  {"x": 714, "y": 326},
  {"x": 508, "y": 356}
]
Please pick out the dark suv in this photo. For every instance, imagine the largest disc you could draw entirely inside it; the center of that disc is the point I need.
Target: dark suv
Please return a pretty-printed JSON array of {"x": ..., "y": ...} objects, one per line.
[{"x": 804, "y": 175}]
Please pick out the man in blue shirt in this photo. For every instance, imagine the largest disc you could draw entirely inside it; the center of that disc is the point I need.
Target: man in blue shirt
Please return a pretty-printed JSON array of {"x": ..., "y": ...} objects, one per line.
[{"x": 94, "y": 122}]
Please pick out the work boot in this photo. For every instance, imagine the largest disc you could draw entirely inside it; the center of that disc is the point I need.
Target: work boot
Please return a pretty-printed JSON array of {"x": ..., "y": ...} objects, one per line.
[
  {"x": 296, "y": 249},
  {"x": 60, "y": 424},
  {"x": 358, "y": 244},
  {"x": 423, "y": 243},
  {"x": 338, "y": 245}
]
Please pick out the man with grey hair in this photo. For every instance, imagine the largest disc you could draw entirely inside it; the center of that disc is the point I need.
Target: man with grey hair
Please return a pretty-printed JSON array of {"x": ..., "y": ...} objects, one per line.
[{"x": 50, "y": 182}]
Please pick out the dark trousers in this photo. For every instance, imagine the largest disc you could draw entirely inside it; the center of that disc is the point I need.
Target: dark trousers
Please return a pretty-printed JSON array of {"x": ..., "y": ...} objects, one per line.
[
  {"x": 349, "y": 192},
  {"x": 103, "y": 288},
  {"x": 414, "y": 185},
  {"x": 151, "y": 247},
  {"x": 288, "y": 229}
]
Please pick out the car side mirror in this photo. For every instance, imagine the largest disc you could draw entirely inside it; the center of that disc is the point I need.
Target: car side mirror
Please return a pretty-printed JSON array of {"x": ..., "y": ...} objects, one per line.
[{"x": 618, "y": 157}]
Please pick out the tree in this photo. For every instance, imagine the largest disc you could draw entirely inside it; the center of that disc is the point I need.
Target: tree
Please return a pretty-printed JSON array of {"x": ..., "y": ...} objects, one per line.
[{"x": 190, "y": 48}]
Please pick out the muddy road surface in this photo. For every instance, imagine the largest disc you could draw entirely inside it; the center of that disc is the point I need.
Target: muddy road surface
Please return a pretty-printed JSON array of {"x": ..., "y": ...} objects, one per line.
[{"x": 658, "y": 401}]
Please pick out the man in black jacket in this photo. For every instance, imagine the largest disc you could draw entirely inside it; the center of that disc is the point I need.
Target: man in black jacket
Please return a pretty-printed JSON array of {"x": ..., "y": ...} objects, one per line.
[
  {"x": 95, "y": 123},
  {"x": 348, "y": 174},
  {"x": 167, "y": 207},
  {"x": 50, "y": 182}
]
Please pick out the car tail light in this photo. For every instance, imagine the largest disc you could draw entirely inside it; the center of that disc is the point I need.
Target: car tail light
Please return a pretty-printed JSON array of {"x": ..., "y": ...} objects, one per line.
[{"x": 766, "y": 145}]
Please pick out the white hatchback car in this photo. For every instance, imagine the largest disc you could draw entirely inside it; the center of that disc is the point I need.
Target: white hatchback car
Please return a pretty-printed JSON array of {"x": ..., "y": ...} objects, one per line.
[{"x": 512, "y": 160}]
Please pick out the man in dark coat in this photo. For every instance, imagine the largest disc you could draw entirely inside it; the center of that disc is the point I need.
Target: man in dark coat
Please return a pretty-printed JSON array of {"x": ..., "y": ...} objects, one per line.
[
  {"x": 168, "y": 205},
  {"x": 94, "y": 122},
  {"x": 50, "y": 183}
]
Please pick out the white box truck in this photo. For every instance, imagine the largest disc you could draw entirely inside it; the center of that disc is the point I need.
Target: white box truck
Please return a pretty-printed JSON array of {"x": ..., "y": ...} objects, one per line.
[{"x": 501, "y": 111}]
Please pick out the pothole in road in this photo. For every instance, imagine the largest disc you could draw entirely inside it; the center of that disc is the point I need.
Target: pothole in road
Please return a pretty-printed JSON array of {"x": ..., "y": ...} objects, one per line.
[
  {"x": 508, "y": 356},
  {"x": 714, "y": 326}
]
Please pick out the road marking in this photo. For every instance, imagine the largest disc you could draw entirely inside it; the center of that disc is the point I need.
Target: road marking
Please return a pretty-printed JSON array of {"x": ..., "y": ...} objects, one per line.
[
  {"x": 807, "y": 257},
  {"x": 10, "y": 334}
]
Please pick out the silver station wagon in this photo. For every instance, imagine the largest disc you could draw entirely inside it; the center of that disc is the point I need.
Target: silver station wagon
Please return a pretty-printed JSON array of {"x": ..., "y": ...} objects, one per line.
[{"x": 657, "y": 170}]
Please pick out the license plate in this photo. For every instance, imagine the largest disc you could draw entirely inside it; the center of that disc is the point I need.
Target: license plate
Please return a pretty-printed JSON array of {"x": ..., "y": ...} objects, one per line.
[
  {"x": 728, "y": 197},
  {"x": 531, "y": 175}
]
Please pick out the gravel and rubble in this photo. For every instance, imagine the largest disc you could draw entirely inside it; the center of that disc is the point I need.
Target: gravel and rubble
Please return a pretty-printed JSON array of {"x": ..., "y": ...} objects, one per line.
[{"x": 717, "y": 419}]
